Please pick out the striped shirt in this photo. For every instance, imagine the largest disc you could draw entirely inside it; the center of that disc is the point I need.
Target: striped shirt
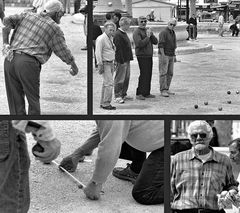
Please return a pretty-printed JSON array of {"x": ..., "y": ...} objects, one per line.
[
  {"x": 195, "y": 184},
  {"x": 38, "y": 35},
  {"x": 105, "y": 49}
]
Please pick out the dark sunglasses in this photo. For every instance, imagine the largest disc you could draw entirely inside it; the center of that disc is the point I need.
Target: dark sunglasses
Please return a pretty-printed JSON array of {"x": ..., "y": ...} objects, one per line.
[
  {"x": 144, "y": 21},
  {"x": 201, "y": 135},
  {"x": 173, "y": 25}
]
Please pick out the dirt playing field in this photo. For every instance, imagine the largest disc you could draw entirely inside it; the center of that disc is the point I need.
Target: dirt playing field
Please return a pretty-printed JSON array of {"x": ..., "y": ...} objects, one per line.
[{"x": 53, "y": 192}]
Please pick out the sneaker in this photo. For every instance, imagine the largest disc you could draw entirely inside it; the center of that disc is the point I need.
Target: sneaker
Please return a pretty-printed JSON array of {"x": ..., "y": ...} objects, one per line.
[
  {"x": 119, "y": 100},
  {"x": 125, "y": 173},
  {"x": 150, "y": 96},
  {"x": 170, "y": 93},
  {"x": 164, "y": 93},
  {"x": 109, "y": 107},
  {"x": 126, "y": 97},
  {"x": 140, "y": 97}
]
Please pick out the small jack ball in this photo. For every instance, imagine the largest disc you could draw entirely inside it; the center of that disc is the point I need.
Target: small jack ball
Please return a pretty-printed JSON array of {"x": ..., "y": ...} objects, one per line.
[
  {"x": 195, "y": 106},
  {"x": 220, "y": 108},
  {"x": 228, "y": 92},
  {"x": 229, "y": 102},
  {"x": 237, "y": 92},
  {"x": 205, "y": 103}
]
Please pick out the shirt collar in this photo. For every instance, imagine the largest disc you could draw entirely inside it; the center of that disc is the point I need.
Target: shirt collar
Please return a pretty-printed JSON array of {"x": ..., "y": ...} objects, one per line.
[
  {"x": 121, "y": 30},
  {"x": 214, "y": 157}
]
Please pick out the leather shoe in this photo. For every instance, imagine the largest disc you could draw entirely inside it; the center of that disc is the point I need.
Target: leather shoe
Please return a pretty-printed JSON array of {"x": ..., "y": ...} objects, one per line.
[
  {"x": 164, "y": 93},
  {"x": 109, "y": 107},
  {"x": 140, "y": 97},
  {"x": 150, "y": 96}
]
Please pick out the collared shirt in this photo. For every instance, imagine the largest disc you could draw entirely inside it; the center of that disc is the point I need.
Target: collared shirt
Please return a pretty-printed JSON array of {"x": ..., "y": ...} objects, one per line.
[
  {"x": 105, "y": 49},
  {"x": 221, "y": 19},
  {"x": 195, "y": 184},
  {"x": 38, "y": 35},
  {"x": 143, "y": 135},
  {"x": 167, "y": 41}
]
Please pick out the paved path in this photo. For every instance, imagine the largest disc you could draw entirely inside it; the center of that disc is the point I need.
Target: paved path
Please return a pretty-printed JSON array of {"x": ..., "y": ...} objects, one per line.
[
  {"x": 60, "y": 93},
  {"x": 198, "y": 78}
]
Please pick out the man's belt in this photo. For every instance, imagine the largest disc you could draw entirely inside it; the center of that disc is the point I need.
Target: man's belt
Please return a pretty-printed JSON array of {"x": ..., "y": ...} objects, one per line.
[
  {"x": 22, "y": 53},
  {"x": 109, "y": 61},
  {"x": 197, "y": 211}
]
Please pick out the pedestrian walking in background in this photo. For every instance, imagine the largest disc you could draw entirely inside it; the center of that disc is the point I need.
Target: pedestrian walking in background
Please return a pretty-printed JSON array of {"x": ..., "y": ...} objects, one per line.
[
  {"x": 220, "y": 25},
  {"x": 116, "y": 18},
  {"x": 123, "y": 56},
  {"x": 166, "y": 54},
  {"x": 192, "y": 27},
  {"x": 77, "y": 6},
  {"x": 34, "y": 39},
  {"x": 234, "y": 29},
  {"x": 144, "y": 39},
  {"x": 105, "y": 55}
]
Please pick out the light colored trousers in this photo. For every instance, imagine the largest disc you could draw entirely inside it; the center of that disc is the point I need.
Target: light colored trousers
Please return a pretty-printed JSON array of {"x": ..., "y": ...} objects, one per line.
[{"x": 165, "y": 71}]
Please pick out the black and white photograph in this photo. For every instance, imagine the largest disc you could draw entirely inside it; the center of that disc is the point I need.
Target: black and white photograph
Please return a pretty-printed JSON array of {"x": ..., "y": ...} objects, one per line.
[
  {"x": 204, "y": 169},
  {"x": 44, "y": 57},
  {"x": 166, "y": 57},
  {"x": 63, "y": 166}
]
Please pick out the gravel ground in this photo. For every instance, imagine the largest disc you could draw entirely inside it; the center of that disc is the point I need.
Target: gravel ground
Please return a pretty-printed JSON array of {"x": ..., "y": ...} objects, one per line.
[
  {"x": 198, "y": 78},
  {"x": 60, "y": 93},
  {"x": 53, "y": 192}
]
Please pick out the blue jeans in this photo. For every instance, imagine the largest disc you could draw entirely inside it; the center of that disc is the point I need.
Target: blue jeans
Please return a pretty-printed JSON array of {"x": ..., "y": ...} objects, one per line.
[
  {"x": 149, "y": 186},
  {"x": 165, "y": 71},
  {"x": 121, "y": 80},
  {"x": 14, "y": 170},
  {"x": 107, "y": 87}
]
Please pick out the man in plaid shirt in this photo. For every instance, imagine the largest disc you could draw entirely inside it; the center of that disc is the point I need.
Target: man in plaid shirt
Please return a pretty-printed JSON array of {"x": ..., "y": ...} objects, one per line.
[
  {"x": 198, "y": 175},
  {"x": 34, "y": 39}
]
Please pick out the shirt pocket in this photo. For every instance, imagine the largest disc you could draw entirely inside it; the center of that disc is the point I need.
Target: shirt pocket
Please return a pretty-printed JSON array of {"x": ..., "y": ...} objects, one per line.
[
  {"x": 4, "y": 140},
  {"x": 217, "y": 181}
]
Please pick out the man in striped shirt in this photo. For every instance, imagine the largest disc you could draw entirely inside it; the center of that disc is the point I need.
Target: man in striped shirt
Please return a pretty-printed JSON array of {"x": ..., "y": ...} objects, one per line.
[
  {"x": 34, "y": 39},
  {"x": 198, "y": 175}
]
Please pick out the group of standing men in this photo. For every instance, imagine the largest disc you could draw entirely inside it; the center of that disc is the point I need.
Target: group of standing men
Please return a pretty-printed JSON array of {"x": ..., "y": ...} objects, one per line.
[{"x": 114, "y": 53}]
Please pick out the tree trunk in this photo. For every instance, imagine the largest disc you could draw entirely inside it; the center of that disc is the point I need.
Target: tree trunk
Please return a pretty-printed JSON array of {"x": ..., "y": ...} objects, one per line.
[
  {"x": 224, "y": 131},
  {"x": 192, "y": 7},
  {"x": 128, "y": 6}
]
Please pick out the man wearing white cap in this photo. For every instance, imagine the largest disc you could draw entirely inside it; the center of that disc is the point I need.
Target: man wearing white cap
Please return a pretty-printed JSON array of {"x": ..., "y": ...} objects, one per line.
[
  {"x": 198, "y": 175},
  {"x": 34, "y": 39}
]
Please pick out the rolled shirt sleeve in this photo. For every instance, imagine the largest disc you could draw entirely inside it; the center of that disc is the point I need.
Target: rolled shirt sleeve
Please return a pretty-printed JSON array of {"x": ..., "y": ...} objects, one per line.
[{"x": 112, "y": 135}]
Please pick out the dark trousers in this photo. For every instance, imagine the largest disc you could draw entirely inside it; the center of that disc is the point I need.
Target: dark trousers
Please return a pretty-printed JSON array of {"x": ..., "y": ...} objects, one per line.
[
  {"x": 149, "y": 186},
  {"x": 77, "y": 5},
  {"x": 137, "y": 157},
  {"x": 22, "y": 78},
  {"x": 14, "y": 170},
  {"x": 144, "y": 81},
  {"x": 197, "y": 211}
]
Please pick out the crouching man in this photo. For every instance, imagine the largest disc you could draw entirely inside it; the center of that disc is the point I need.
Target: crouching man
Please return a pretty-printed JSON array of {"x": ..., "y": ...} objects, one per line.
[{"x": 145, "y": 136}]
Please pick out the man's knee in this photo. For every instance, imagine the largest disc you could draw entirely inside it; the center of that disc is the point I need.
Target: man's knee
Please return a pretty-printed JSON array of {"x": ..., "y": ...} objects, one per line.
[{"x": 147, "y": 198}]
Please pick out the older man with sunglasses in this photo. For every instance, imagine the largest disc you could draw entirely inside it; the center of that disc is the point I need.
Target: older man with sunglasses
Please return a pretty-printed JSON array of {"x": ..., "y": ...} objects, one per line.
[
  {"x": 166, "y": 54},
  {"x": 198, "y": 175},
  {"x": 144, "y": 39}
]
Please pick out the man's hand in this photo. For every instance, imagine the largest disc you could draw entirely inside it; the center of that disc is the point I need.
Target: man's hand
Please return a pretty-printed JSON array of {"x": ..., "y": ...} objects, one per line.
[
  {"x": 149, "y": 32},
  {"x": 70, "y": 163},
  {"x": 51, "y": 150},
  {"x": 7, "y": 52},
  {"x": 92, "y": 190},
  {"x": 100, "y": 69},
  {"x": 74, "y": 69}
]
